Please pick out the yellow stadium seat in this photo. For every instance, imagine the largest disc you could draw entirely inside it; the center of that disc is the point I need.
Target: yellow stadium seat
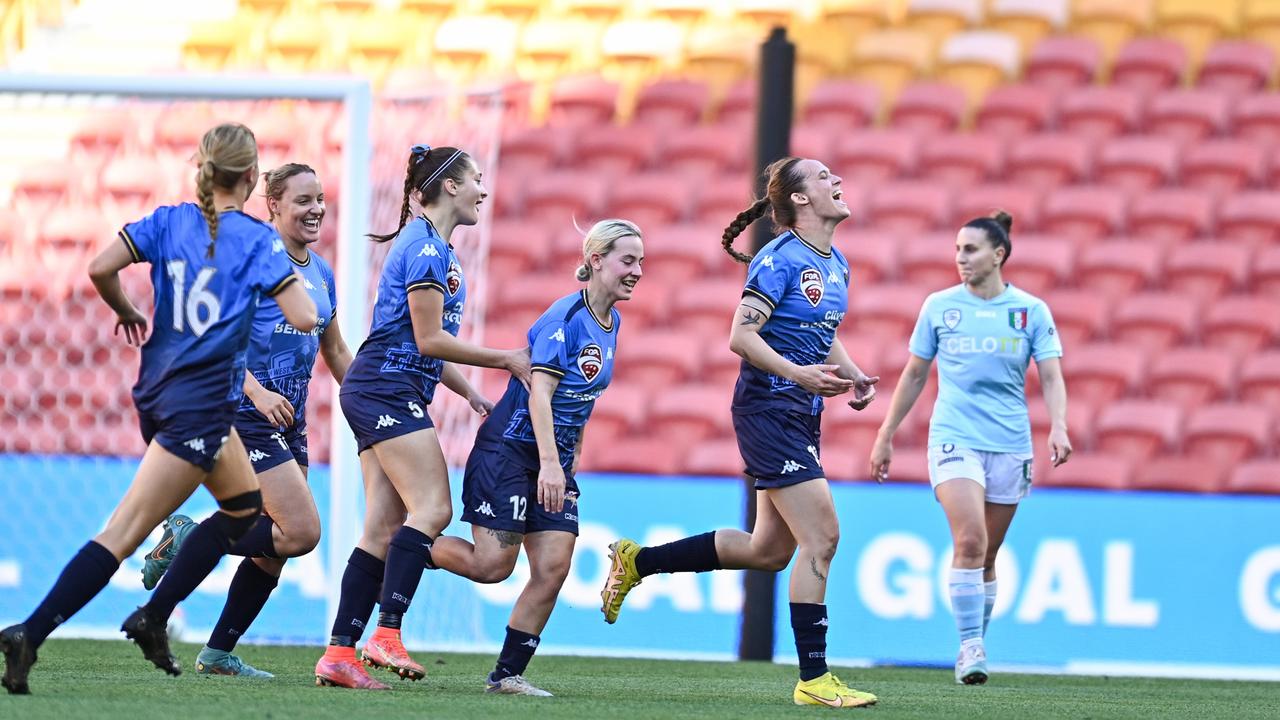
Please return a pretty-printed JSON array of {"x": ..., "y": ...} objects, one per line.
[
  {"x": 721, "y": 53},
  {"x": 602, "y": 10},
  {"x": 1197, "y": 24},
  {"x": 764, "y": 14},
  {"x": 1028, "y": 20},
  {"x": 468, "y": 46},
  {"x": 978, "y": 61},
  {"x": 215, "y": 45},
  {"x": 892, "y": 58},
  {"x": 1110, "y": 23},
  {"x": 264, "y": 8},
  {"x": 381, "y": 40},
  {"x": 551, "y": 47},
  {"x": 297, "y": 43},
  {"x": 687, "y": 13},
  {"x": 437, "y": 9},
  {"x": 856, "y": 17},
  {"x": 1260, "y": 21},
  {"x": 941, "y": 18},
  {"x": 346, "y": 9},
  {"x": 822, "y": 50},
  {"x": 635, "y": 51},
  {"x": 517, "y": 10}
]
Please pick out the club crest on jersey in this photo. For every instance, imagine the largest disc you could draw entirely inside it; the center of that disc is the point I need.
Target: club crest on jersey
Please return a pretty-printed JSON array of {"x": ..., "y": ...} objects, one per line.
[
  {"x": 590, "y": 361},
  {"x": 811, "y": 286},
  {"x": 1018, "y": 318},
  {"x": 454, "y": 278},
  {"x": 951, "y": 318}
]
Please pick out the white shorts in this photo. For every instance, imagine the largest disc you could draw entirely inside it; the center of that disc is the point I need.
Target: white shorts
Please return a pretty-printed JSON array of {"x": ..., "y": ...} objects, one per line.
[{"x": 1006, "y": 476}]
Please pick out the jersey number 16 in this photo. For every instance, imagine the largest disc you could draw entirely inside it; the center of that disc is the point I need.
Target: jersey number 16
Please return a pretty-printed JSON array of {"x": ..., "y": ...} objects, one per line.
[{"x": 189, "y": 306}]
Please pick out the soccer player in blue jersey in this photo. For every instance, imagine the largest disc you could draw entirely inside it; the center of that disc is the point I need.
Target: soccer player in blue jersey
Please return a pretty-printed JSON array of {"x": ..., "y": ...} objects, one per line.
[
  {"x": 785, "y": 330},
  {"x": 272, "y": 424},
  {"x": 984, "y": 332},
  {"x": 412, "y": 347},
  {"x": 519, "y": 487},
  {"x": 210, "y": 263}
]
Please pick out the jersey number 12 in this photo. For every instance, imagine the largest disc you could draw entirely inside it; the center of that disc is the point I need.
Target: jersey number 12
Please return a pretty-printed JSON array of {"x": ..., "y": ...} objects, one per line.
[{"x": 189, "y": 306}]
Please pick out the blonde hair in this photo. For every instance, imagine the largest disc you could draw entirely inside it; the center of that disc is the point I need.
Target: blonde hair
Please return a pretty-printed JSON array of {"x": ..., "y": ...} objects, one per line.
[
  {"x": 226, "y": 152},
  {"x": 600, "y": 240}
]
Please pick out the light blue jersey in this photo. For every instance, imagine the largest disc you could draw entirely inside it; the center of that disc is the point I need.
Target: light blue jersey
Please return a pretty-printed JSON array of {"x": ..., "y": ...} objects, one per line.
[{"x": 983, "y": 348}]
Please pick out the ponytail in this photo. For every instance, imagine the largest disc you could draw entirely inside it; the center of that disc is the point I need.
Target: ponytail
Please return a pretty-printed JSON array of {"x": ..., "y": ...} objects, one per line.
[
  {"x": 427, "y": 170},
  {"x": 204, "y": 193},
  {"x": 739, "y": 224},
  {"x": 404, "y": 205},
  {"x": 226, "y": 153}
]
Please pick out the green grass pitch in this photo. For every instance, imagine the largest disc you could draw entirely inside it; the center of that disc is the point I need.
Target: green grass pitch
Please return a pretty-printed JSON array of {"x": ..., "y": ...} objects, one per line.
[{"x": 109, "y": 679}]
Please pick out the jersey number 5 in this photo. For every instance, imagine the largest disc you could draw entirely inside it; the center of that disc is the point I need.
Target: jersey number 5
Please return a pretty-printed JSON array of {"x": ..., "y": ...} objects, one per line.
[{"x": 189, "y": 306}]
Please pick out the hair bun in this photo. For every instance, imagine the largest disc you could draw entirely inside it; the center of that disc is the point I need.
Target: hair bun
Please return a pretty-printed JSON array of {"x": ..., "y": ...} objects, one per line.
[{"x": 1003, "y": 219}]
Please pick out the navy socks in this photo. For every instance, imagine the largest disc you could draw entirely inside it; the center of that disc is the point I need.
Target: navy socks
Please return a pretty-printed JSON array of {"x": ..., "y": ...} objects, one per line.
[
  {"x": 407, "y": 558},
  {"x": 249, "y": 591},
  {"x": 361, "y": 584},
  {"x": 809, "y": 623},
  {"x": 691, "y": 554},
  {"x": 81, "y": 580},
  {"x": 517, "y": 651}
]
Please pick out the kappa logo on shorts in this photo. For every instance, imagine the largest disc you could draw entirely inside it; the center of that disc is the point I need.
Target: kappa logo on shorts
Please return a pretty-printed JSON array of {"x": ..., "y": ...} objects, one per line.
[
  {"x": 385, "y": 421},
  {"x": 256, "y": 455},
  {"x": 811, "y": 286},
  {"x": 791, "y": 466},
  {"x": 196, "y": 444},
  {"x": 486, "y": 509},
  {"x": 454, "y": 278},
  {"x": 590, "y": 361},
  {"x": 814, "y": 452}
]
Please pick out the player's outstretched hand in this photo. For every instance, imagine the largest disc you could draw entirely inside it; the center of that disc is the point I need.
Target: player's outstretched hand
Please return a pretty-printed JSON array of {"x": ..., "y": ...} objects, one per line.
[
  {"x": 881, "y": 456},
  {"x": 518, "y": 364},
  {"x": 480, "y": 404},
  {"x": 818, "y": 380},
  {"x": 135, "y": 327},
  {"x": 864, "y": 391},
  {"x": 275, "y": 407},
  {"x": 551, "y": 487},
  {"x": 1059, "y": 446}
]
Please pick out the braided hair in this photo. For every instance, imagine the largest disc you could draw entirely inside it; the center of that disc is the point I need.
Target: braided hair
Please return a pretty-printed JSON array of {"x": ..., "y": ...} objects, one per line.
[
  {"x": 226, "y": 153},
  {"x": 784, "y": 178},
  {"x": 427, "y": 170}
]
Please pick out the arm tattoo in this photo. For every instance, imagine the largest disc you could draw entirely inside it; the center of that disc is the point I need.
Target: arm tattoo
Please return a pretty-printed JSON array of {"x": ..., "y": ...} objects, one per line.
[
  {"x": 750, "y": 318},
  {"x": 506, "y": 538},
  {"x": 813, "y": 567}
]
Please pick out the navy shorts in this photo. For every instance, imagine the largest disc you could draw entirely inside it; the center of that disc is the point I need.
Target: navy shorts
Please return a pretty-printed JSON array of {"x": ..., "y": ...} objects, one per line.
[
  {"x": 196, "y": 436},
  {"x": 392, "y": 410},
  {"x": 500, "y": 491},
  {"x": 269, "y": 446},
  {"x": 780, "y": 448}
]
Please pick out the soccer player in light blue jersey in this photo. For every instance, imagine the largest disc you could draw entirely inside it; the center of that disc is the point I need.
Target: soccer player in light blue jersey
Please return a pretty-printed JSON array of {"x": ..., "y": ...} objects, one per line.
[
  {"x": 519, "y": 487},
  {"x": 411, "y": 348},
  {"x": 210, "y": 264},
  {"x": 984, "y": 332},
  {"x": 796, "y": 295},
  {"x": 272, "y": 424}
]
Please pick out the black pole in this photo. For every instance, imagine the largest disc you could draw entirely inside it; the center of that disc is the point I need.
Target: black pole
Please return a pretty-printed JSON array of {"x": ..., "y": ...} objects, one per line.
[{"x": 773, "y": 141}]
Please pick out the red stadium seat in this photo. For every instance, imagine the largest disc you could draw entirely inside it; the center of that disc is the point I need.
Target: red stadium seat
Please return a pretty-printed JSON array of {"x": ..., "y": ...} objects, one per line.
[
  {"x": 961, "y": 160},
  {"x": 579, "y": 102},
  {"x": 844, "y": 427},
  {"x": 1083, "y": 212},
  {"x": 1149, "y": 64},
  {"x": 1242, "y": 323},
  {"x": 660, "y": 358},
  {"x": 1206, "y": 270},
  {"x": 1258, "y": 477},
  {"x": 1079, "y": 315},
  {"x": 623, "y": 409},
  {"x": 1138, "y": 429},
  {"x": 874, "y": 156},
  {"x": 719, "y": 203},
  {"x": 1191, "y": 376},
  {"x": 1048, "y": 161},
  {"x": 561, "y": 196},
  {"x": 929, "y": 260},
  {"x": 671, "y": 104},
  {"x": 517, "y": 246},
  {"x": 1260, "y": 378},
  {"x": 1100, "y": 471},
  {"x": 1180, "y": 474},
  {"x": 638, "y": 455},
  {"x": 929, "y": 107},
  {"x": 1155, "y": 321},
  {"x": 1040, "y": 264},
  {"x": 1099, "y": 112},
  {"x": 714, "y": 457},
  {"x": 1170, "y": 214},
  {"x": 610, "y": 149},
  {"x": 887, "y": 312},
  {"x": 842, "y": 105},
  {"x": 1080, "y": 417},
  {"x": 1099, "y": 373},
  {"x": 683, "y": 253},
  {"x": 1118, "y": 267},
  {"x": 533, "y": 150},
  {"x": 1221, "y": 166},
  {"x": 739, "y": 106},
  {"x": 522, "y": 302},
  {"x": 1015, "y": 110},
  {"x": 1237, "y": 67},
  {"x": 687, "y": 414},
  {"x": 1252, "y": 218},
  {"x": 1257, "y": 119},
  {"x": 1228, "y": 433},
  {"x": 650, "y": 199},
  {"x": 1137, "y": 164},
  {"x": 1188, "y": 115},
  {"x": 871, "y": 259},
  {"x": 907, "y": 207},
  {"x": 1265, "y": 274},
  {"x": 1021, "y": 202},
  {"x": 812, "y": 141},
  {"x": 706, "y": 307},
  {"x": 1058, "y": 63},
  {"x": 704, "y": 149},
  {"x": 910, "y": 464}
]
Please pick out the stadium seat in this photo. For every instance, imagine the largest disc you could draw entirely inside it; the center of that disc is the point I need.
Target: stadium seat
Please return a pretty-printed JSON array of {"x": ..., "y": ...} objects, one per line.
[
  {"x": 719, "y": 203},
  {"x": 637, "y": 455},
  {"x": 380, "y": 41},
  {"x": 295, "y": 43},
  {"x": 1228, "y": 433},
  {"x": 888, "y": 312},
  {"x": 1048, "y": 160},
  {"x": 1080, "y": 417},
  {"x": 1265, "y": 272},
  {"x": 1083, "y": 212},
  {"x": 706, "y": 307},
  {"x": 1188, "y": 115},
  {"x": 1117, "y": 268},
  {"x": 1170, "y": 215},
  {"x": 1192, "y": 376},
  {"x": 1110, "y": 23},
  {"x": 1180, "y": 474},
  {"x": 842, "y": 104},
  {"x": 845, "y": 427},
  {"x": 623, "y": 409},
  {"x": 612, "y": 150},
  {"x": 1257, "y": 118},
  {"x": 1257, "y": 477},
  {"x": 714, "y": 457},
  {"x": 672, "y": 104},
  {"x": 1137, "y": 164},
  {"x": 686, "y": 414},
  {"x": 978, "y": 61},
  {"x": 1237, "y": 67},
  {"x": 650, "y": 199},
  {"x": 1096, "y": 470},
  {"x": 521, "y": 303},
  {"x": 1028, "y": 20},
  {"x": 871, "y": 259},
  {"x": 1079, "y": 314},
  {"x": 683, "y": 253},
  {"x": 1059, "y": 63},
  {"x": 1155, "y": 321},
  {"x": 908, "y": 207},
  {"x": 1150, "y": 64},
  {"x": 45, "y": 185},
  {"x": 874, "y": 156},
  {"x": 704, "y": 150},
  {"x": 1040, "y": 264},
  {"x": 720, "y": 54},
  {"x": 1098, "y": 113},
  {"x": 1251, "y": 218},
  {"x": 927, "y": 107},
  {"x": 891, "y": 58},
  {"x": 534, "y": 150},
  {"x": 1015, "y": 110},
  {"x": 809, "y": 141},
  {"x": 929, "y": 260},
  {"x": 1241, "y": 323},
  {"x": 561, "y": 196},
  {"x": 1196, "y": 24},
  {"x": 213, "y": 45},
  {"x": 1138, "y": 429},
  {"x": 635, "y": 51},
  {"x": 1100, "y": 373},
  {"x": 961, "y": 160},
  {"x": 1206, "y": 270},
  {"x": 1021, "y": 202},
  {"x": 583, "y": 102},
  {"x": 1221, "y": 166},
  {"x": 941, "y": 18}
]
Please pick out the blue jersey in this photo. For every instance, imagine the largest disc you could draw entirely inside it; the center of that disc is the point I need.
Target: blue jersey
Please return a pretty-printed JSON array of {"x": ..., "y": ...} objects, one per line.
[
  {"x": 808, "y": 291},
  {"x": 983, "y": 349},
  {"x": 281, "y": 356},
  {"x": 571, "y": 343},
  {"x": 420, "y": 259},
  {"x": 195, "y": 357}
]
